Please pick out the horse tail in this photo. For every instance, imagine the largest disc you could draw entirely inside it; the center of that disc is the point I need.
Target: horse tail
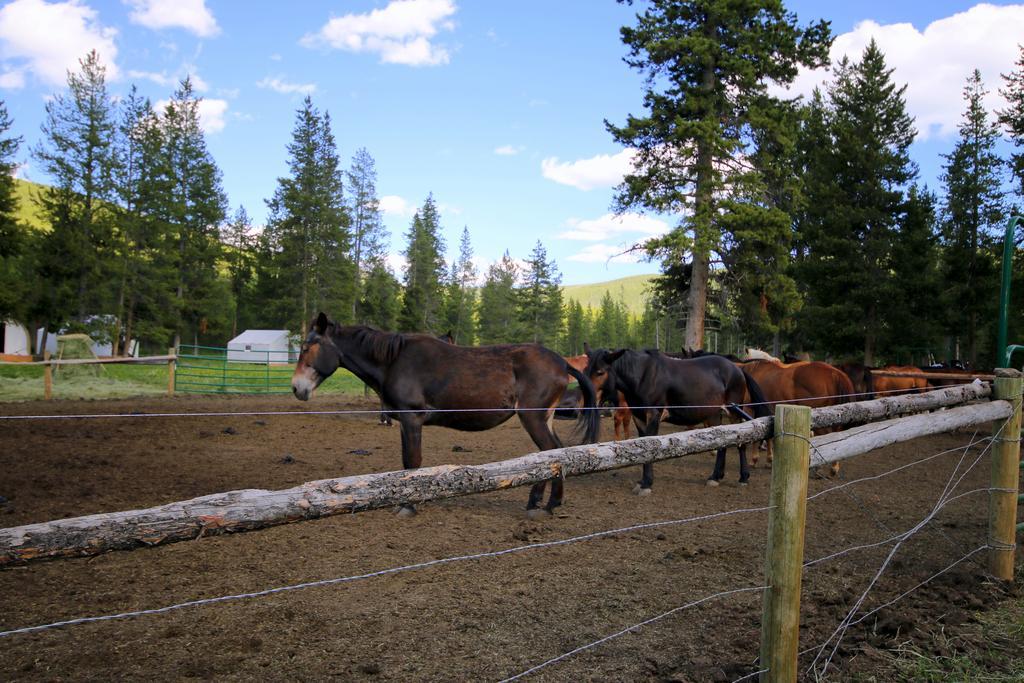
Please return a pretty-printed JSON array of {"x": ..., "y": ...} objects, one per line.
[
  {"x": 760, "y": 403},
  {"x": 869, "y": 384},
  {"x": 588, "y": 424}
]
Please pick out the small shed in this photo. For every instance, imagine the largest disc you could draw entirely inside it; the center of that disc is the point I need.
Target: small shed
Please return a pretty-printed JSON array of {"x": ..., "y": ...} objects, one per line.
[{"x": 260, "y": 346}]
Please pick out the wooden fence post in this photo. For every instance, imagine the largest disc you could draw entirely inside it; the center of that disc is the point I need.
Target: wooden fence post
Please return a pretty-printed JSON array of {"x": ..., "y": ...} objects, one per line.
[
  {"x": 1002, "y": 510},
  {"x": 780, "y": 619},
  {"x": 47, "y": 377},
  {"x": 170, "y": 371}
]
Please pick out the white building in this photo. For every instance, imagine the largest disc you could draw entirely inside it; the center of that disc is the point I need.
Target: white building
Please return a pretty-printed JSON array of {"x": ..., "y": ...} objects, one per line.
[{"x": 260, "y": 346}]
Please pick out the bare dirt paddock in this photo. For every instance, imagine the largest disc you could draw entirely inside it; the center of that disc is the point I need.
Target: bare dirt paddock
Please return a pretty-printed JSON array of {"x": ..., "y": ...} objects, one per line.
[{"x": 480, "y": 619}]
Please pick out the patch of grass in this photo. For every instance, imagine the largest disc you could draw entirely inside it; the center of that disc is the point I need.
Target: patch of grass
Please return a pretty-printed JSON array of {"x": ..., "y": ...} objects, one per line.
[
  {"x": 992, "y": 649},
  {"x": 25, "y": 382}
]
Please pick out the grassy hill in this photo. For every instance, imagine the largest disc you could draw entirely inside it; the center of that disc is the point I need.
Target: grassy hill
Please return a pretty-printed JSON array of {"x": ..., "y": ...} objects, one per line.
[
  {"x": 29, "y": 212},
  {"x": 631, "y": 290}
]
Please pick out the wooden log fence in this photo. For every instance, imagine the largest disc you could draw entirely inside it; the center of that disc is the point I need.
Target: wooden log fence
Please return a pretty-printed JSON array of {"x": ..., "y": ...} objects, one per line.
[{"x": 255, "y": 508}]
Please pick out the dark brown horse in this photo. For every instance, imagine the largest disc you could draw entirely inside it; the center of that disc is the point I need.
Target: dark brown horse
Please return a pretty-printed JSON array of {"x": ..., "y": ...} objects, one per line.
[
  {"x": 385, "y": 417},
  {"x": 678, "y": 391},
  {"x": 621, "y": 417},
  {"x": 425, "y": 381}
]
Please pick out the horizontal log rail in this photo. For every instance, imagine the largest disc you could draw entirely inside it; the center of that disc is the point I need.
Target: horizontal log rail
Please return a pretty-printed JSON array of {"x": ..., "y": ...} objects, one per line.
[
  {"x": 255, "y": 508},
  {"x": 924, "y": 374}
]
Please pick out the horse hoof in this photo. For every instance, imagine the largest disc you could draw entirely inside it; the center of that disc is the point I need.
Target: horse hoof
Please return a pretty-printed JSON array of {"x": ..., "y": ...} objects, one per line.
[
  {"x": 641, "y": 491},
  {"x": 744, "y": 483},
  {"x": 538, "y": 513},
  {"x": 406, "y": 511},
  {"x": 712, "y": 482}
]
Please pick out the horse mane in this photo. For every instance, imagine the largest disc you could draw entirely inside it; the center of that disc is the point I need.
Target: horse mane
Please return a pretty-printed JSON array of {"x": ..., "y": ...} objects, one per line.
[{"x": 381, "y": 347}]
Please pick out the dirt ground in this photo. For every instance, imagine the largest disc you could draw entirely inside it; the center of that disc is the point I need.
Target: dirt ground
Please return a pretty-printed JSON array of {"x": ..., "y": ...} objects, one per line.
[{"x": 481, "y": 619}]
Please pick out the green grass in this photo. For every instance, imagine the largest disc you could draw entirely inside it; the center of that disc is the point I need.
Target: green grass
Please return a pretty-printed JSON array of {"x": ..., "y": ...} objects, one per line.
[
  {"x": 631, "y": 290},
  {"x": 29, "y": 212},
  {"x": 25, "y": 382}
]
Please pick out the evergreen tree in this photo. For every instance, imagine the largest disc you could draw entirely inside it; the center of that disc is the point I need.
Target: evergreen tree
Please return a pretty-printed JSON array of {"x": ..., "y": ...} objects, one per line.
[
  {"x": 145, "y": 276},
  {"x": 708, "y": 65},
  {"x": 914, "y": 315},
  {"x": 497, "y": 319},
  {"x": 241, "y": 247},
  {"x": 611, "y": 324},
  {"x": 367, "y": 229},
  {"x": 308, "y": 229},
  {"x": 78, "y": 154},
  {"x": 460, "y": 295},
  {"x": 1012, "y": 118},
  {"x": 13, "y": 236},
  {"x": 424, "y": 272},
  {"x": 577, "y": 328},
  {"x": 973, "y": 212},
  {"x": 856, "y": 171},
  {"x": 540, "y": 299},
  {"x": 193, "y": 207},
  {"x": 379, "y": 304}
]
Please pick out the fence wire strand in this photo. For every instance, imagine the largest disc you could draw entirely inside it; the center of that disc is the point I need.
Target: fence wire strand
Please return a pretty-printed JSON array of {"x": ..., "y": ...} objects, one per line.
[
  {"x": 384, "y": 572},
  {"x": 390, "y": 411},
  {"x": 629, "y": 629}
]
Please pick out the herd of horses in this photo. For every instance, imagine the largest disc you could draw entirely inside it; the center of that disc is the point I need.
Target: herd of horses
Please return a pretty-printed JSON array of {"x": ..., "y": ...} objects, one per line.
[{"x": 426, "y": 380}]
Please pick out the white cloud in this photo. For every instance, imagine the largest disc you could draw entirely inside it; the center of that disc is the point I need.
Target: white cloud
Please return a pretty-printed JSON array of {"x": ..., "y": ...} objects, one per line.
[
  {"x": 935, "y": 62},
  {"x": 191, "y": 15},
  {"x": 508, "y": 150},
  {"x": 400, "y": 33},
  {"x": 278, "y": 84},
  {"x": 397, "y": 263},
  {"x": 212, "y": 113},
  {"x": 47, "y": 39},
  {"x": 603, "y": 253},
  {"x": 166, "y": 80},
  {"x": 606, "y": 226},
  {"x": 393, "y": 205},
  {"x": 601, "y": 171}
]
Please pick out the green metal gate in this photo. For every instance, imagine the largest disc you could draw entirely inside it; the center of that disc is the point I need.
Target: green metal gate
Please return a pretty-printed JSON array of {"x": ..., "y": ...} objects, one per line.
[{"x": 209, "y": 370}]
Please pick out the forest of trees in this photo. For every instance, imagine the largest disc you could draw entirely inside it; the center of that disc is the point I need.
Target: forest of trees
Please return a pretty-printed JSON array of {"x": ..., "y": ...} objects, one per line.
[{"x": 801, "y": 225}]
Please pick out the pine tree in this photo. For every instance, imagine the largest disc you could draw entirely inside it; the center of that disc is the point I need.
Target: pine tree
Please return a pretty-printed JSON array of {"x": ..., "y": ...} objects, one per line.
[
  {"x": 367, "y": 230},
  {"x": 460, "y": 295},
  {"x": 577, "y": 328},
  {"x": 78, "y": 153},
  {"x": 241, "y": 246},
  {"x": 424, "y": 272},
  {"x": 308, "y": 228},
  {"x": 857, "y": 164},
  {"x": 540, "y": 299},
  {"x": 194, "y": 205},
  {"x": 973, "y": 211},
  {"x": 497, "y": 319},
  {"x": 708, "y": 64},
  {"x": 13, "y": 236},
  {"x": 1012, "y": 118}
]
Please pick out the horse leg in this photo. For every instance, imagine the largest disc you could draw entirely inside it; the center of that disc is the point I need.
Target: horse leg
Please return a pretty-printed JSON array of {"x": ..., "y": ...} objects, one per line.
[
  {"x": 412, "y": 453},
  {"x": 744, "y": 469},
  {"x": 650, "y": 428},
  {"x": 536, "y": 425},
  {"x": 385, "y": 419}
]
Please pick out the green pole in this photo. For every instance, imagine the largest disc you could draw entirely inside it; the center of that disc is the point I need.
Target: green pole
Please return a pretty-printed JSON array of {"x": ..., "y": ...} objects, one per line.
[{"x": 1002, "y": 353}]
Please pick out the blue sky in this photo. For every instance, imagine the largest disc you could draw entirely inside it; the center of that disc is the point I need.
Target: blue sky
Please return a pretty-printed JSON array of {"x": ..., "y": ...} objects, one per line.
[{"x": 496, "y": 108}]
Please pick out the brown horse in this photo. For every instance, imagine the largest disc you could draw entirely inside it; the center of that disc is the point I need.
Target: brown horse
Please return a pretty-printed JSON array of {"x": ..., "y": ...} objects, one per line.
[
  {"x": 425, "y": 381},
  {"x": 620, "y": 415},
  {"x": 681, "y": 392},
  {"x": 894, "y": 386},
  {"x": 808, "y": 383}
]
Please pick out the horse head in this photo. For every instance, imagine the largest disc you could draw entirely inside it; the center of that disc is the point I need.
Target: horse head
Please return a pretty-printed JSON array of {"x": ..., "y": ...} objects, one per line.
[
  {"x": 600, "y": 371},
  {"x": 318, "y": 359}
]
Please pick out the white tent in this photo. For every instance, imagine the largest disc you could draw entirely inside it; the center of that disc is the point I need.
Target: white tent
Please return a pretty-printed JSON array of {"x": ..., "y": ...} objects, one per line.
[{"x": 260, "y": 346}]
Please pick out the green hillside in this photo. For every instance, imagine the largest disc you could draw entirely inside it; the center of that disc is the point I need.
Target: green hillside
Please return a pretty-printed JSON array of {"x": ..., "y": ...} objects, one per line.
[
  {"x": 632, "y": 291},
  {"x": 29, "y": 212}
]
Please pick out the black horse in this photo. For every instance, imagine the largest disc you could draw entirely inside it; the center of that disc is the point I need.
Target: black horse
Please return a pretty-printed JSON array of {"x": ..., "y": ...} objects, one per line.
[
  {"x": 691, "y": 390},
  {"x": 425, "y": 381}
]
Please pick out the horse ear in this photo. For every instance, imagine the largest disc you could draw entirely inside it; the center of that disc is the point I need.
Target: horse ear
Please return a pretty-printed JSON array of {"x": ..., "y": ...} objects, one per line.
[
  {"x": 322, "y": 323},
  {"x": 614, "y": 356},
  {"x": 586, "y": 349}
]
